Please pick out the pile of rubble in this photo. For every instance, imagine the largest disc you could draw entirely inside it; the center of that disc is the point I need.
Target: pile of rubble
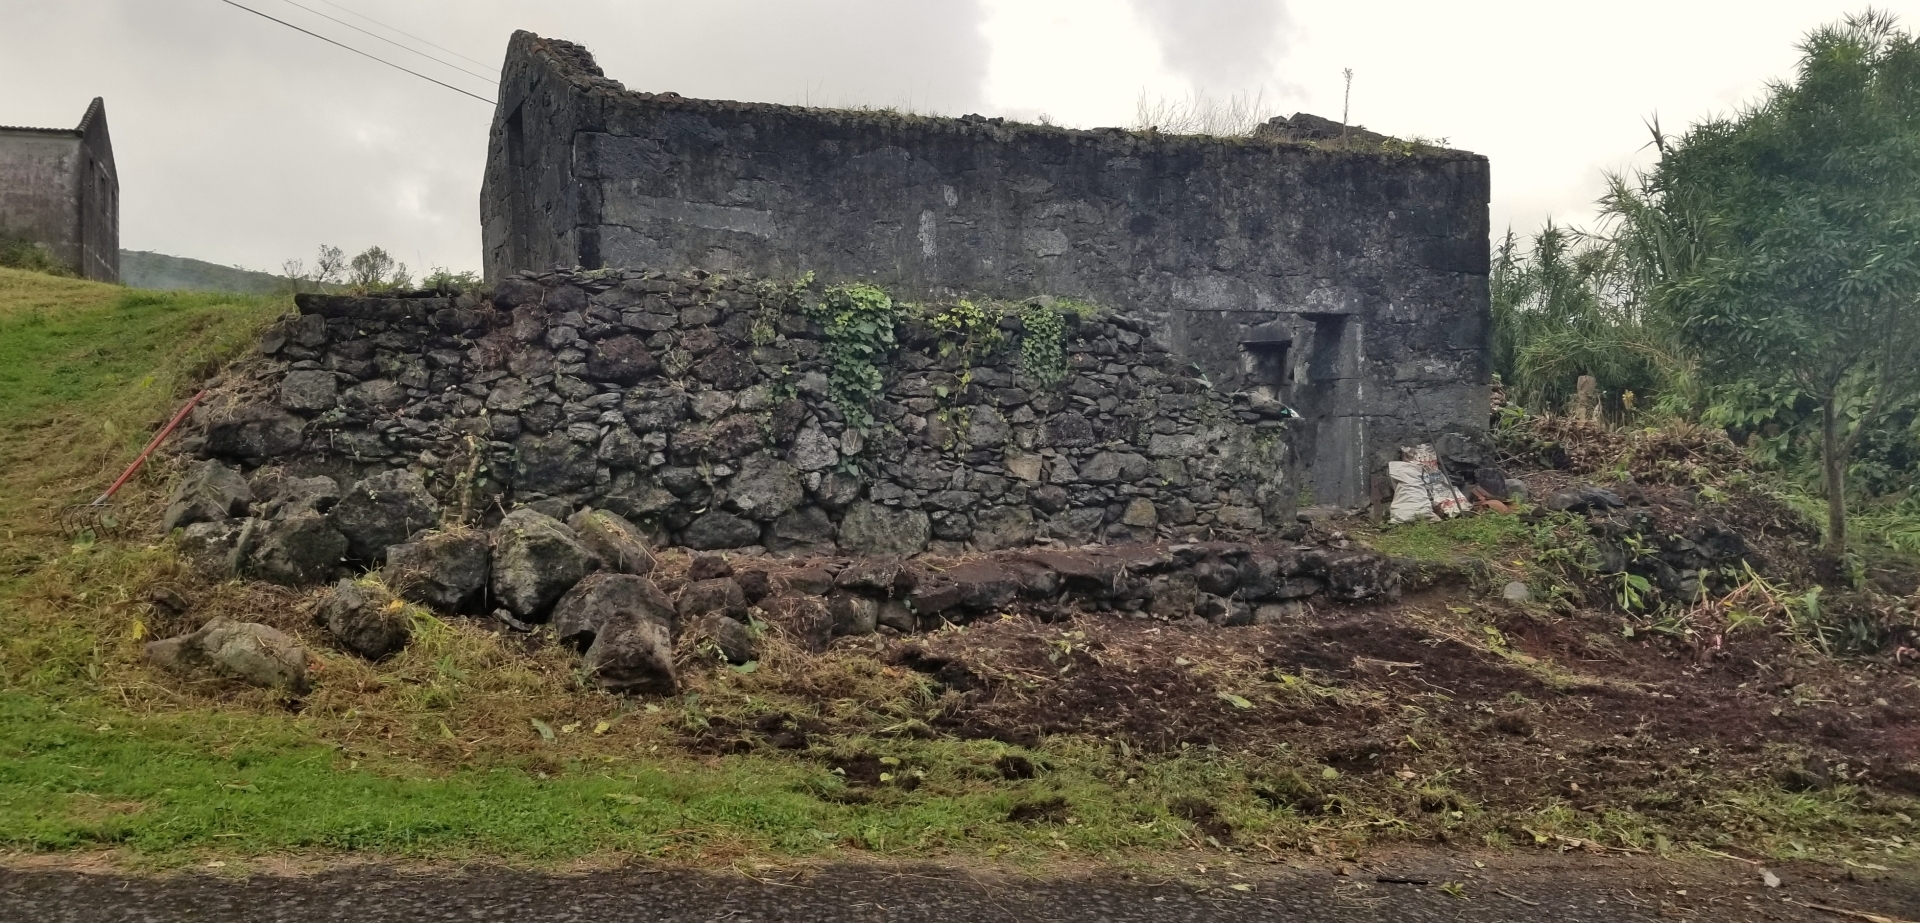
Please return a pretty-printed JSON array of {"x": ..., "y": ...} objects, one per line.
[{"x": 598, "y": 586}]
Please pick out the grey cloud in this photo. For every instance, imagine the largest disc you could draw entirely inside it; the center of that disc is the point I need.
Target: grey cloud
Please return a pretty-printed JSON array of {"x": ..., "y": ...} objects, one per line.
[
  {"x": 1223, "y": 46},
  {"x": 240, "y": 141}
]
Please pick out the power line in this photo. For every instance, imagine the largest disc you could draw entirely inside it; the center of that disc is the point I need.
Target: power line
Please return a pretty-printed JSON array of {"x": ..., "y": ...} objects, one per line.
[
  {"x": 358, "y": 51},
  {"x": 392, "y": 29},
  {"x": 393, "y": 43}
]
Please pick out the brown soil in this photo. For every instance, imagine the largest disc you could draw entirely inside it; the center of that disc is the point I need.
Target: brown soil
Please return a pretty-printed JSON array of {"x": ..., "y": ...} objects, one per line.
[{"x": 1542, "y": 705}]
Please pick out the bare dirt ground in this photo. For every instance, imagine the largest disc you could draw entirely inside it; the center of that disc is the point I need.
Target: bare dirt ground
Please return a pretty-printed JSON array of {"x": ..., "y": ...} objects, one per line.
[{"x": 1404, "y": 885}]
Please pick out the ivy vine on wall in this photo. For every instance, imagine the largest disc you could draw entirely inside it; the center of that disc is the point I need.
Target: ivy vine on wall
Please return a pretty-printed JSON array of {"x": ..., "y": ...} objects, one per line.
[
  {"x": 858, "y": 320},
  {"x": 1042, "y": 353}
]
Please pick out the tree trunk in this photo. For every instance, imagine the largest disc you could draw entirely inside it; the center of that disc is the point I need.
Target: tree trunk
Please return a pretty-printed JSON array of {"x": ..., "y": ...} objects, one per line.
[{"x": 1834, "y": 466}]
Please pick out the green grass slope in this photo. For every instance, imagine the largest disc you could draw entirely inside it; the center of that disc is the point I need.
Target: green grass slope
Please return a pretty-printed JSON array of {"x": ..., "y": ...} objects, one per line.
[{"x": 143, "y": 269}]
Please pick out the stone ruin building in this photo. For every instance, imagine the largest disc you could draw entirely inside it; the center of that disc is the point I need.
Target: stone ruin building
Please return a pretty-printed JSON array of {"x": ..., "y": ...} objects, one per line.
[
  {"x": 1346, "y": 282},
  {"x": 59, "y": 189},
  {"x": 903, "y": 371}
]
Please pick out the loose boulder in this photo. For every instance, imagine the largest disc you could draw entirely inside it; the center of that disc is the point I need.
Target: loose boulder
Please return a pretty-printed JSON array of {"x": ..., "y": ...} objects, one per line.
[
  {"x": 210, "y": 547},
  {"x": 619, "y": 544},
  {"x": 634, "y": 657},
  {"x": 536, "y": 560},
  {"x": 299, "y": 550},
  {"x": 365, "y": 620},
  {"x": 626, "y": 626},
  {"x": 605, "y": 599},
  {"x": 718, "y": 596},
  {"x": 383, "y": 510},
  {"x": 729, "y": 639},
  {"x": 210, "y": 492},
  {"x": 248, "y": 651},
  {"x": 293, "y": 496},
  {"x": 446, "y": 571}
]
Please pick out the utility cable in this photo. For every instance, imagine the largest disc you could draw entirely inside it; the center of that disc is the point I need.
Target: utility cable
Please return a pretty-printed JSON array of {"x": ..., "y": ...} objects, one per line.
[
  {"x": 358, "y": 51},
  {"x": 402, "y": 32},
  {"x": 395, "y": 44}
]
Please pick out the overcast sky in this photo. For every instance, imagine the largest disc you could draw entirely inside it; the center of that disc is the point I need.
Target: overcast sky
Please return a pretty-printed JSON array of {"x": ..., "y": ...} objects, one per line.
[{"x": 243, "y": 142}]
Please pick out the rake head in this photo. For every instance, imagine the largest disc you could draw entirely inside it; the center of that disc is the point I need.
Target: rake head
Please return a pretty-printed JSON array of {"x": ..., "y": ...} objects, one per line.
[{"x": 101, "y": 517}]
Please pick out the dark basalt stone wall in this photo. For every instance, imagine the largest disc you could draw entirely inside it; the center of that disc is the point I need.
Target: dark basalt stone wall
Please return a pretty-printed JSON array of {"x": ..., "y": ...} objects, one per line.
[
  {"x": 1348, "y": 283},
  {"x": 698, "y": 407}
]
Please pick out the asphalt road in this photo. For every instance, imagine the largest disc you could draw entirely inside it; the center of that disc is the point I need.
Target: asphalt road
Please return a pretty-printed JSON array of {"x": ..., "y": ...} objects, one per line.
[{"x": 1571, "y": 889}]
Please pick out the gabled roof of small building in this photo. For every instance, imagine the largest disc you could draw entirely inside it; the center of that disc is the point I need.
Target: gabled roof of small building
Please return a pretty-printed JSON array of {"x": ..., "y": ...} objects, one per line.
[{"x": 95, "y": 110}]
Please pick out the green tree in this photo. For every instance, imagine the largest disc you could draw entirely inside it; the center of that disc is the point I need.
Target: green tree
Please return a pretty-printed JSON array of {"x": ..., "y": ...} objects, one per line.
[
  {"x": 1798, "y": 226},
  {"x": 374, "y": 268},
  {"x": 1564, "y": 305}
]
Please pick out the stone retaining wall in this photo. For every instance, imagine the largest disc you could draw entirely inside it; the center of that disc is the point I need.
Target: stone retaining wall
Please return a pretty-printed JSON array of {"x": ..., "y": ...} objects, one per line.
[{"x": 699, "y": 407}]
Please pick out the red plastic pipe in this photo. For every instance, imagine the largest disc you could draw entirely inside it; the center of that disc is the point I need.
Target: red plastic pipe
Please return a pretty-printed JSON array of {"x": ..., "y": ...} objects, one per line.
[{"x": 162, "y": 437}]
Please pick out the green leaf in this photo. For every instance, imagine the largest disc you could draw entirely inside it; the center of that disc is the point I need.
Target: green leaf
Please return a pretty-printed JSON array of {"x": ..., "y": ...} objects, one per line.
[
  {"x": 545, "y": 729},
  {"x": 1235, "y": 701},
  {"x": 748, "y": 667}
]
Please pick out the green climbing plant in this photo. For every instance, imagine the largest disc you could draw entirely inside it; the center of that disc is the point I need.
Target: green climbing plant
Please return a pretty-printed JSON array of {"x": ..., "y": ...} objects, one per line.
[
  {"x": 1043, "y": 357},
  {"x": 859, "y": 323}
]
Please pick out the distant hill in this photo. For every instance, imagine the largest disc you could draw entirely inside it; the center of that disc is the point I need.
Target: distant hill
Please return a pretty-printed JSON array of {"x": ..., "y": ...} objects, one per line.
[{"x": 140, "y": 269}]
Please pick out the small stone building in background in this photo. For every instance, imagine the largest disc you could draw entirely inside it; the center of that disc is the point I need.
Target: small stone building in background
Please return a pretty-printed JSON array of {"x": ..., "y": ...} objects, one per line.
[{"x": 59, "y": 189}]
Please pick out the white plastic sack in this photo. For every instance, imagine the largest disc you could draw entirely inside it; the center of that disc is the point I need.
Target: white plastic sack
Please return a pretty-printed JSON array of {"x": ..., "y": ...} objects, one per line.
[{"x": 1423, "y": 492}]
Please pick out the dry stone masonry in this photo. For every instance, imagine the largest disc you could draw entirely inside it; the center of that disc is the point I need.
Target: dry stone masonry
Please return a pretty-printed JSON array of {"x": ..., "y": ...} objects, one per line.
[
  {"x": 528, "y": 455},
  {"x": 701, "y": 409},
  {"x": 1341, "y": 274}
]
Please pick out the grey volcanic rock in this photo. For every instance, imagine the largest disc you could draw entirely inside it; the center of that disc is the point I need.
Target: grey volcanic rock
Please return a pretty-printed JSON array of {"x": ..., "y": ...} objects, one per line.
[
  {"x": 536, "y": 560},
  {"x": 807, "y": 529},
  {"x": 358, "y": 617},
  {"x": 718, "y": 596},
  {"x": 732, "y": 640},
  {"x": 248, "y": 651},
  {"x": 716, "y": 530},
  {"x": 1002, "y": 527},
  {"x": 1115, "y": 467},
  {"x": 310, "y": 390},
  {"x": 602, "y": 600},
  {"x": 633, "y": 657},
  {"x": 253, "y": 433},
  {"x": 299, "y": 550},
  {"x": 446, "y": 571},
  {"x": 209, "y": 547},
  {"x": 383, "y": 510},
  {"x": 553, "y": 463},
  {"x": 626, "y": 626},
  {"x": 622, "y": 360},
  {"x": 301, "y": 495},
  {"x": 619, "y": 544},
  {"x": 210, "y": 492},
  {"x": 764, "y": 489},
  {"x": 872, "y": 529}
]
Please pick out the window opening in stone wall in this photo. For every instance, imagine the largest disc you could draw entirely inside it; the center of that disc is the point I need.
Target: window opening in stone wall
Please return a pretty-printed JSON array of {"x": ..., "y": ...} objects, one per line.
[
  {"x": 1267, "y": 362},
  {"x": 518, "y": 214}
]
